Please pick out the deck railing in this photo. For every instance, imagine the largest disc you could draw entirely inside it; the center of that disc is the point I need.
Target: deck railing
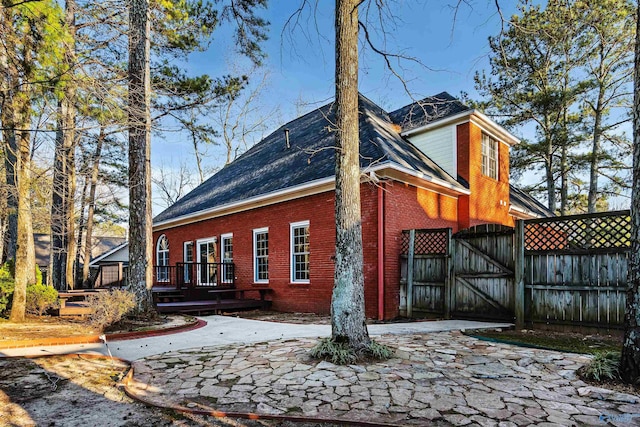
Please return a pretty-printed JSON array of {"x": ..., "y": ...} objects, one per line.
[{"x": 194, "y": 274}]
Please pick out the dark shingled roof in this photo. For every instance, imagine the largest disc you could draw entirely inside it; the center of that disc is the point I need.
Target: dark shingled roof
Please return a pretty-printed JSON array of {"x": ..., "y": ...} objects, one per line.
[
  {"x": 269, "y": 166},
  {"x": 524, "y": 201},
  {"x": 427, "y": 110}
]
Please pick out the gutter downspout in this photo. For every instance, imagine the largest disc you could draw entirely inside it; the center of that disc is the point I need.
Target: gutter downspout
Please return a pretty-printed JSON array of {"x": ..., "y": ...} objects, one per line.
[{"x": 380, "y": 251}]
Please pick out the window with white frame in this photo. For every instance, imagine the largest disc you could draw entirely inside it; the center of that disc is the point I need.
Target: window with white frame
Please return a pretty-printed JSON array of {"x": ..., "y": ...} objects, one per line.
[
  {"x": 162, "y": 257},
  {"x": 489, "y": 156},
  {"x": 261, "y": 255},
  {"x": 188, "y": 261},
  {"x": 226, "y": 244},
  {"x": 300, "y": 252}
]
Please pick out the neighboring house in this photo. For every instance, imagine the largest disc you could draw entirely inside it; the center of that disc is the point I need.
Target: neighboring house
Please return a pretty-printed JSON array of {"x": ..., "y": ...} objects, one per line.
[
  {"x": 110, "y": 268},
  {"x": 431, "y": 164},
  {"x": 100, "y": 245}
]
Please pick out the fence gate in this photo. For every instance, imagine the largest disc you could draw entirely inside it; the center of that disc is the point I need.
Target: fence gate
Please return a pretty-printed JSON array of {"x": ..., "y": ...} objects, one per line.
[
  {"x": 483, "y": 273},
  {"x": 424, "y": 288}
]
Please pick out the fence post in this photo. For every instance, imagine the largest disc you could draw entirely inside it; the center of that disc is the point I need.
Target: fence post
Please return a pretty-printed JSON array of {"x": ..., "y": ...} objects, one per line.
[
  {"x": 448, "y": 280},
  {"x": 519, "y": 274},
  {"x": 412, "y": 240}
]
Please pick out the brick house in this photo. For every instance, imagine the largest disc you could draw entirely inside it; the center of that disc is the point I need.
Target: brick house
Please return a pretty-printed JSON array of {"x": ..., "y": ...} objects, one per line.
[{"x": 268, "y": 216}]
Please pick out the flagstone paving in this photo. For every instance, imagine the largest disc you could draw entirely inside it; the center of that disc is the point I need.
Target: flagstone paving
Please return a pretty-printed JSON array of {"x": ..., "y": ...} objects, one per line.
[{"x": 448, "y": 378}]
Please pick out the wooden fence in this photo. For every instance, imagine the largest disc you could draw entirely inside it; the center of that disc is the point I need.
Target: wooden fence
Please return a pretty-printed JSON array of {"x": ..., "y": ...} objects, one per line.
[{"x": 568, "y": 270}]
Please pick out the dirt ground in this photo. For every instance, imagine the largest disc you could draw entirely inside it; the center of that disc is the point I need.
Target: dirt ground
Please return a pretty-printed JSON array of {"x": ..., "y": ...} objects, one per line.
[
  {"x": 54, "y": 327},
  {"x": 81, "y": 391}
]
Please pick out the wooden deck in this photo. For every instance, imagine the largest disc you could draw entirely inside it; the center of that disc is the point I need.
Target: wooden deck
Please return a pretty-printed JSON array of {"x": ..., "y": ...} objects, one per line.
[
  {"x": 207, "y": 299},
  {"x": 210, "y": 306}
]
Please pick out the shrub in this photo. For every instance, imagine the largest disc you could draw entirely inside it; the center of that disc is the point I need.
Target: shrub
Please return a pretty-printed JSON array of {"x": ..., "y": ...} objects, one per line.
[
  {"x": 340, "y": 353},
  {"x": 40, "y": 298},
  {"x": 6, "y": 288},
  {"x": 108, "y": 308},
  {"x": 7, "y": 285},
  {"x": 604, "y": 366}
]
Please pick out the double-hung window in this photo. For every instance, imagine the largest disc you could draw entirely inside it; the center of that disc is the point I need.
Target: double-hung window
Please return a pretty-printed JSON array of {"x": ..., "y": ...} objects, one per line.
[
  {"x": 261, "y": 255},
  {"x": 188, "y": 262},
  {"x": 300, "y": 252},
  {"x": 226, "y": 244},
  {"x": 489, "y": 156}
]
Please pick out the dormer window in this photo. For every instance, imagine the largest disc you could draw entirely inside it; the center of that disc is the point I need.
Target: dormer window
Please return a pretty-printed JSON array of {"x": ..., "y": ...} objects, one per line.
[{"x": 489, "y": 156}]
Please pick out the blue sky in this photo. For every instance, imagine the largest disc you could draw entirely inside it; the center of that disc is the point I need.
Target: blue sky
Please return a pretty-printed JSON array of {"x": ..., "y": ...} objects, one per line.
[{"x": 301, "y": 64}]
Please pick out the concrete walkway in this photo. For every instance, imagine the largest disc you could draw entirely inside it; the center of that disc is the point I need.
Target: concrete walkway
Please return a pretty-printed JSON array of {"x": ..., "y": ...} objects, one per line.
[{"x": 224, "y": 330}]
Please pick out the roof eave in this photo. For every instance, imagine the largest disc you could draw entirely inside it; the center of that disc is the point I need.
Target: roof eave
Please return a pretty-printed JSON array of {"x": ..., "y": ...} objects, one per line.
[
  {"x": 522, "y": 213},
  {"x": 478, "y": 117},
  {"x": 290, "y": 193},
  {"x": 387, "y": 169},
  {"x": 108, "y": 253},
  {"x": 419, "y": 179}
]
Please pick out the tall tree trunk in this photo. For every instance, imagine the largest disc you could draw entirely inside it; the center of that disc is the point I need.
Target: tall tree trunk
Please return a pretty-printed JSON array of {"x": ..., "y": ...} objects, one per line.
[
  {"x": 10, "y": 149},
  {"x": 564, "y": 178},
  {"x": 347, "y": 301},
  {"x": 62, "y": 206},
  {"x": 140, "y": 221},
  {"x": 81, "y": 217},
  {"x": 25, "y": 252},
  {"x": 592, "y": 198},
  {"x": 630, "y": 360},
  {"x": 551, "y": 183},
  {"x": 88, "y": 242},
  {"x": 70, "y": 267}
]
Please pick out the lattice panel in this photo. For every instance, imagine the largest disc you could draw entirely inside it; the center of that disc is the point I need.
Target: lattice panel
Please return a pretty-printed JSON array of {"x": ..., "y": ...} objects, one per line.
[
  {"x": 579, "y": 233},
  {"x": 426, "y": 242}
]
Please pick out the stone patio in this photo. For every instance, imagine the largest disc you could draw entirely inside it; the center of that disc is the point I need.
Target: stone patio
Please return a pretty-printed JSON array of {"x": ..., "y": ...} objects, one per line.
[{"x": 446, "y": 378}]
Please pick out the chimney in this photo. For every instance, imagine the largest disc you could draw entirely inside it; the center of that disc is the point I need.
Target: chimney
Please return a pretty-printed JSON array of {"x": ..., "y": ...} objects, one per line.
[{"x": 286, "y": 138}]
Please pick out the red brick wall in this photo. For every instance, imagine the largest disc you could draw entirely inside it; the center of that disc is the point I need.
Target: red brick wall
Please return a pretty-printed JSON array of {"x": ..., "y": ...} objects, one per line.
[
  {"x": 287, "y": 296},
  {"x": 407, "y": 207},
  {"x": 484, "y": 204}
]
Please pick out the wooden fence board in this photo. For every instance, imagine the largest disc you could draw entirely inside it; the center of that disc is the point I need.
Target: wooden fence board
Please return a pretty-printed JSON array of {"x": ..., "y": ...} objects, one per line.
[{"x": 562, "y": 282}]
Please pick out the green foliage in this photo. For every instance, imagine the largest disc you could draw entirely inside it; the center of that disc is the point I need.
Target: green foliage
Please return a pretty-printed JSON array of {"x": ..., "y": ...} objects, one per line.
[
  {"x": 571, "y": 83},
  {"x": 6, "y": 287},
  {"x": 604, "y": 366},
  {"x": 40, "y": 298},
  {"x": 108, "y": 308},
  {"x": 341, "y": 353},
  {"x": 7, "y": 284},
  {"x": 39, "y": 276}
]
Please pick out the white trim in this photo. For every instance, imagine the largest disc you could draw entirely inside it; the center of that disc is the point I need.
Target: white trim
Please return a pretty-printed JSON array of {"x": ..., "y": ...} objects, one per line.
[
  {"x": 199, "y": 242},
  {"x": 250, "y": 201},
  {"x": 516, "y": 211},
  {"x": 429, "y": 178},
  {"x": 162, "y": 271},
  {"x": 186, "y": 272},
  {"x": 454, "y": 146},
  {"x": 224, "y": 237},
  {"x": 255, "y": 270},
  {"x": 439, "y": 123},
  {"x": 292, "y": 277},
  {"x": 160, "y": 238},
  {"x": 184, "y": 250},
  {"x": 303, "y": 190},
  {"x": 475, "y": 116},
  {"x": 108, "y": 253}
]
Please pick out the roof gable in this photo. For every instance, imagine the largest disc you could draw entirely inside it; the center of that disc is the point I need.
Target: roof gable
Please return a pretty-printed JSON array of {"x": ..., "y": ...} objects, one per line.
[
  {"x": 427, "y": 110},
  {"x": 270, "y": 166}
]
